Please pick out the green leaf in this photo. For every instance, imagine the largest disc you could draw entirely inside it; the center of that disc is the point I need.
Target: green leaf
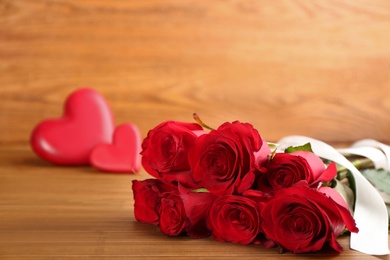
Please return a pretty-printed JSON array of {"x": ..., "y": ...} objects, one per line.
[
  {"x": 380, "y": 178},
  {"x": 305, "y": 147}
]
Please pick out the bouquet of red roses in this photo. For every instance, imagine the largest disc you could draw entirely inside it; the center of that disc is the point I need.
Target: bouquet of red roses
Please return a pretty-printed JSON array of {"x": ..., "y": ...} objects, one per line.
[{"x": 228, "y": 183}]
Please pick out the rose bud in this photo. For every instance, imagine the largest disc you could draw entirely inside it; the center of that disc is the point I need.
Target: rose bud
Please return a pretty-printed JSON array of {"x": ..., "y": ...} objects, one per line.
[
  {"x": 147, "y": 197},
  {"x": 235, "y": 219},
  {"x": 301, "y": 219},
  {"x": 172, "y": 214},
  {"x": 223, "y": 161},
  {"x": 165, "y": 150}
]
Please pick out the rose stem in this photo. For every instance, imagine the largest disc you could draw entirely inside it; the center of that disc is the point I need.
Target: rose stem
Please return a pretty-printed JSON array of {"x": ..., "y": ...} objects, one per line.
[
  {"x": 358, "y": 163},
  {"x": 200, "y": 122}
]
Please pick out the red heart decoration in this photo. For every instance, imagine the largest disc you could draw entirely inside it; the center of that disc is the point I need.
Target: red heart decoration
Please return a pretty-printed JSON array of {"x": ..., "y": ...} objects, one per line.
[
  {"x": 121, "y": 156},
  {"x": 69, "y": 140}
]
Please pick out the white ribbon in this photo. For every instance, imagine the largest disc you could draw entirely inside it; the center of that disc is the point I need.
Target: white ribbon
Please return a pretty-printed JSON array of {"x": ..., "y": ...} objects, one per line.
[
  {"x": 370, "y": 210},
  {"x": 375, "y": 155},
  {"x": 377, "y": 152},
  {"x": 375, "y": 144}
]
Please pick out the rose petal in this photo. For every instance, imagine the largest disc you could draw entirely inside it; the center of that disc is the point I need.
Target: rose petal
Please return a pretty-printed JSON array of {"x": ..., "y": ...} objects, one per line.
[
  {"x": 333, "y": 194},
  {"x": 315, "y": 162},
  {"x": 261, "y": 156},
  {"x": 197, "y": 206},
  {"x": 246, "y": 183},
  {"x": 342, "y": 207},
  {"x": 334, "y": 244},
  {"x": 327, "y": 175}
]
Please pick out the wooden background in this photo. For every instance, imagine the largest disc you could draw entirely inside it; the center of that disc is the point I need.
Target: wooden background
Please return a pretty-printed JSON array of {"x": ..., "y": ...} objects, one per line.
[{"x": 315, "y": 68}]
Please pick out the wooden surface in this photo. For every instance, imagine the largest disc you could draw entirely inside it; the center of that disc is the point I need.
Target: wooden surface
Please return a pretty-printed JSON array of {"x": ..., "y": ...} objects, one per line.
[
  {"x": 316, "y": 68},
  {"x": 65, "y": 213}
]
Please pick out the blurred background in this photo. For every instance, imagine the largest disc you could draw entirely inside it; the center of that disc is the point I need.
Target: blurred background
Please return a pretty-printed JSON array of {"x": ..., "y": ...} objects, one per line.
[{"x": 315, "y": 68}]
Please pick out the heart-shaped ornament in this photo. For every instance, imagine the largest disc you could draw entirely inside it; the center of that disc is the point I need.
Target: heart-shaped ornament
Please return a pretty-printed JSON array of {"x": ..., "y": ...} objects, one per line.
[
  {"x": 123, "y": 155},
  {"x": 87, "y": 121}
]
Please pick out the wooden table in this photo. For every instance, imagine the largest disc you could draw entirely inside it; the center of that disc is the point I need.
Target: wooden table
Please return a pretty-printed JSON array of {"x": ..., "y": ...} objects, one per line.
[
  {"x": 315, "y": 68},
  {"x": 57, "y": 212}
]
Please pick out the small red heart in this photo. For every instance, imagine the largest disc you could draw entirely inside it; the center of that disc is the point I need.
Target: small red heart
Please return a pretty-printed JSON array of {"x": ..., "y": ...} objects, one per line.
[
  {"x": 121, "y": 156},
  {"x": 69, "y": 140}
]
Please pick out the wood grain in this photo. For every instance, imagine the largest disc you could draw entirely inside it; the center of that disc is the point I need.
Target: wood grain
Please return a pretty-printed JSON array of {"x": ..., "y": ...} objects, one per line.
[
  {"x": 52, "y": 212},
  {"x": 316, "y": 68}
]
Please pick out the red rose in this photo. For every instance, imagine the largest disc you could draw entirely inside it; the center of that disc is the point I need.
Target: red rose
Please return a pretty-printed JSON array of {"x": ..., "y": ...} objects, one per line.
[
  {"x": 147, "y": 196},
  {"x": 235, "y": 218},
  {"x": 284, "y": 170},
  {"x": 197, "y": 206},
  {"x": 165, "y": 149},
  {"x": 301, "y": 219},
  {"x": 223, "y": 161},
  {"x": 317, "y": 166},
  {"x": 172, "y": 214}
]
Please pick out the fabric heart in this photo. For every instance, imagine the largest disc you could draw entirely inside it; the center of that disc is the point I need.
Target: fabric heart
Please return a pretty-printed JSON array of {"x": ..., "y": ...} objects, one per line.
[
  {"x": 121, "y": 156},
  {"x": 69, "y": 140}
]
